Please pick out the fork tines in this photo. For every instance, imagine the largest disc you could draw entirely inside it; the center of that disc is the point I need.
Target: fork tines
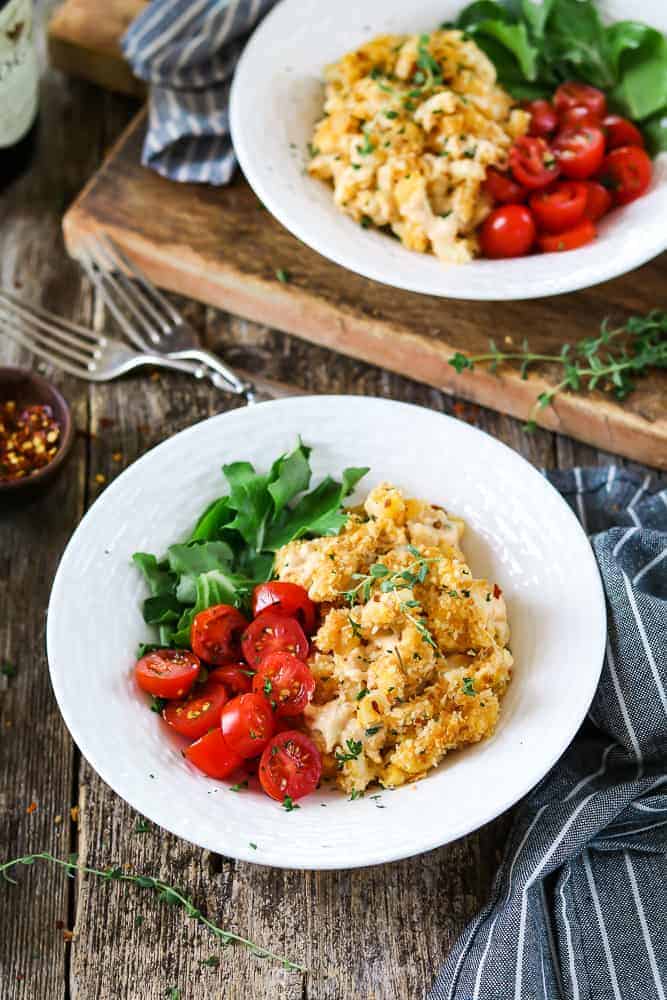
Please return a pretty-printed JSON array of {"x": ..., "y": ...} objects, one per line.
[{"x": 58, "y": 341}]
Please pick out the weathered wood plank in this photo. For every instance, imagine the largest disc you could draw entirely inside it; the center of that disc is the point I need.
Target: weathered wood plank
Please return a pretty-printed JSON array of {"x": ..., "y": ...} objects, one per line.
[{"x": 37, "y": 757}]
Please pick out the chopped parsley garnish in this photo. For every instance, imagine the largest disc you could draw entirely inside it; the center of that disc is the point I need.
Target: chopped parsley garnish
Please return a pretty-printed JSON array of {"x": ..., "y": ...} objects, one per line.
[
  {"x": 367, "y": 147},
  {"x": 157, "y": 704},
  {"x": 356, "y": 794},
  {"x": 239, "y": 786},
  {"x": 289, "y": 805},
  {"x": 373, "y": 730},
  {"x": 142, "y": 826},
  {"x": 355, "y": 626},
  {"x": 391, "y": 114},
  {"x": 365, "y": 222},
  {"x": 362, "y": 694},
  {"x": 282, "y": 275},
  {"x": 267, "y": 687},
  {"x": 468, "y": 687},
  {"x": 254, "y": 846}
]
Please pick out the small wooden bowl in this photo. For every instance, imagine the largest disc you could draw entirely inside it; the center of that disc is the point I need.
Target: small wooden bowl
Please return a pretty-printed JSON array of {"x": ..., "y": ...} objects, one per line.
[{"x": 27, "y": 388}]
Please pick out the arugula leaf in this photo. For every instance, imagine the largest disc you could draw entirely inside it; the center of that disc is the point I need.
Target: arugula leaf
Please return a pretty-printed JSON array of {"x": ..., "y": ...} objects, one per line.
[
  {"x": 642, "y": 87},
  {"x": 212, "y": 521},
  {"x": 211, "y": 588},
  {"x": 289, "y": 476},
  {"x": 317, "y": 513},
  {"x": 655, "y": 130},
  {"x": 162, "y": 607}
]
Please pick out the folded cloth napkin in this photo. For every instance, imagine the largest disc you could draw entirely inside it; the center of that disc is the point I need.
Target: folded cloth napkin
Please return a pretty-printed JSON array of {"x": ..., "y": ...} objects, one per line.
[
  {"x": 578, "y": 909},
  {"x": 187, "y": 51}
]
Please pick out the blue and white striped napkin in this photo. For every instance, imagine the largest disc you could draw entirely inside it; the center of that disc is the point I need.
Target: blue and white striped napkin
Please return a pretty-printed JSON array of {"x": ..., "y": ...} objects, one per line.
[
  {"x": 187, "y": 51},
  {"x": 579, "y": 906}
]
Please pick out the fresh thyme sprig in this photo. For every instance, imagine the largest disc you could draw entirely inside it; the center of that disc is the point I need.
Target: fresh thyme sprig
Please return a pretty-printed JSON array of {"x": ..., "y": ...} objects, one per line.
[
  {"x": 415, "y": 573},
  {"x": 164, "y": 892},
  {"x": 354, "y": 748},
  {"x": 610, "y": 362}
]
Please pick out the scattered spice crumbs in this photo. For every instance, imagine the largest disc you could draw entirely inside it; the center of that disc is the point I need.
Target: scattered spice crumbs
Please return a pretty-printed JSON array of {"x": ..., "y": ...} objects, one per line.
[
  {"x": 100, "y": 478},
  {"x": 74, "y": 813},
  {"x": 31, "y": 808},
  {"x": 117, "y": 456}
]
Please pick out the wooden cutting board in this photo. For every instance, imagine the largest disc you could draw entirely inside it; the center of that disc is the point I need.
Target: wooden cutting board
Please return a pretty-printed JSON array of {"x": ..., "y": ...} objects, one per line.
[{"x": 221, "y": 246}]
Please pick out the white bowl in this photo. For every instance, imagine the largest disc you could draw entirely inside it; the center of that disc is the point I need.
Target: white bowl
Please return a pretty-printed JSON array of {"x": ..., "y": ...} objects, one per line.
[
  {"x": 520, "y": 533},
  {"x": 277, "y": 97}
]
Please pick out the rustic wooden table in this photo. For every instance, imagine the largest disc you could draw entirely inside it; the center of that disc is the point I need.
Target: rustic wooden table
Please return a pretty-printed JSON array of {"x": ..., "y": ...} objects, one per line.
[{"x": 374, "y": 933}]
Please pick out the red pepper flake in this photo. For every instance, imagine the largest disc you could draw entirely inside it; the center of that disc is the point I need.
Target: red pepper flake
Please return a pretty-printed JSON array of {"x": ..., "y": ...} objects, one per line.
[
  {"x": 68, "y": 935},
  {"x": 106, "y": 422},
  {"x": 497, "y": 592},
  {"x": 31, "y": 808},
  {"x": 29, "y": 440}
]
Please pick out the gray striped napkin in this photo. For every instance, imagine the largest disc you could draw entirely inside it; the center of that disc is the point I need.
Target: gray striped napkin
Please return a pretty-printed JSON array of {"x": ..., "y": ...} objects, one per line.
[
  {"x": 187, "y": 51},
  {"x": 578, "y": 908}
]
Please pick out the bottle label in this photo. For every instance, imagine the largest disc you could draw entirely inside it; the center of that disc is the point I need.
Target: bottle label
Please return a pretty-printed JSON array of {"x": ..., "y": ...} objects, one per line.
[{"x": 19, "y": 72}]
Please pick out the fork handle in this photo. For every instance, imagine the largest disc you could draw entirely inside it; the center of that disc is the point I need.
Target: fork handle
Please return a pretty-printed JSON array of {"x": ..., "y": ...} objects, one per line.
[{"x": 212, "y": 361}]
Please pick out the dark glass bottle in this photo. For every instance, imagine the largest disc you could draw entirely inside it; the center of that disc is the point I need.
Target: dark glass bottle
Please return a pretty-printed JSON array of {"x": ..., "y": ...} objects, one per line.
[{"x": 19, "y": 88}]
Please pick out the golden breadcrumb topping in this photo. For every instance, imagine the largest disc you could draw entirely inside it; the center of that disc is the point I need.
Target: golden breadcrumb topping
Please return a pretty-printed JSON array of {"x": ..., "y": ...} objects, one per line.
[{"x": 411, "y": 658}]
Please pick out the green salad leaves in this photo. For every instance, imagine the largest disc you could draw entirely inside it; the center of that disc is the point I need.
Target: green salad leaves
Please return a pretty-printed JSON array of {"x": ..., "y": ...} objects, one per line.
[
  {"x": 535, "y": 46},
  {"x": 232, "y": 546}
]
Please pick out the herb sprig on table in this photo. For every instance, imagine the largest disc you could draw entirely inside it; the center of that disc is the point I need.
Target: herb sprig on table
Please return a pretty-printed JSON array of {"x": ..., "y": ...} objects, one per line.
[
  {"x": 164, "y": 892},
  {"x": 232, "y": 546},
  {"x": 611, "y": 361},
  {"x": 535, "y": 46}
]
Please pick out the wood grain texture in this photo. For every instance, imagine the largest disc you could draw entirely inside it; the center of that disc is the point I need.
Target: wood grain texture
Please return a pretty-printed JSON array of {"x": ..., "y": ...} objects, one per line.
[
  {"x": 371, "y": 934},
  {"x": 220, "y": 246},
  {"x": 84, "y": 40}
]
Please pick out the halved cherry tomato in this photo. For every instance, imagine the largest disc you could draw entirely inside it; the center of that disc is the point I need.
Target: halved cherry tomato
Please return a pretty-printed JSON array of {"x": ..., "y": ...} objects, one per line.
[
  {"x": 290, "y": 765},
  {"x": 272, "y": 632},
  {"x": 215, "y": 634},
  {"x": 236, "y": 677},
  {"x": 560, "y": 207},
  {"x": 579, "y": 151},
  {"x": 532, "y": 162},
  {"x": 286, "y": 681},
  {"x": 598, "y": 201},
  {"x": 508, "y": 232},
  {"x": 572, "y": 94},
  {"x": 288, "y": 599},
  {"x": 247, "y": 724},
  {"x": 626, "y": 171},
  {"x": 579, "y": 115},
  {"x": 503, "y": 188},
  {"x": 621, "y": 132},
  {"x": 167, "y": 673},
  {"x": 199, "y": 712},
  {"x": 212, "y": 755},
  {"x": 580, "y": 234},
  {"x": 543, "y": 118}
]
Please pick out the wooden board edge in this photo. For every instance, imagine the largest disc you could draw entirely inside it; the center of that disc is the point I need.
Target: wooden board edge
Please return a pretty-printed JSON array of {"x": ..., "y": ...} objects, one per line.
[
  {"x": 603, "y": 424},
  {"x": 101, "y": 63}
]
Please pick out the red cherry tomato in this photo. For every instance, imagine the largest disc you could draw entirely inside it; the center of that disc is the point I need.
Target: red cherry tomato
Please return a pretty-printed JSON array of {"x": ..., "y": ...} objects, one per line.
[
  {"x": 626, "y": 171},
  {"x": 579, "y": 151},
  {"x": 621, "y": 132},
  {"x": 560, "y": 207},
  {"x": 199, "y": 712},
  {"x": 272, "y": 632},
  {"x": 286, "y": 598},
  {"x": 235, "y": 677},
  {"x": 580, "y": 234},
  {"x": 212, "y": 755},
  {"x": 508, "y": 232},
  {"x": 503, "y": 188},
  {"x": 598, "y": 201},
  {"x": 532, "y": 163},
  {"x": 167, "y": 673},
  {"x": 573, "y": 94},
  {"x": 579, "y": 115},
  {"x": 215, "y": 634},
  {"x": 247, "y": 724},
  {"x": 286, "y": 681},
  {"x": 543, "y": 118},
  {"x": 290, "y": 765}
]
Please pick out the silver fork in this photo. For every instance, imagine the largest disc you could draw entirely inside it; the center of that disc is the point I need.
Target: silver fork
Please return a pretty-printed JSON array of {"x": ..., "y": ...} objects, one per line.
[
  {"x": 145, "y": 316},
  {"x": 78, "y": 350}
]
